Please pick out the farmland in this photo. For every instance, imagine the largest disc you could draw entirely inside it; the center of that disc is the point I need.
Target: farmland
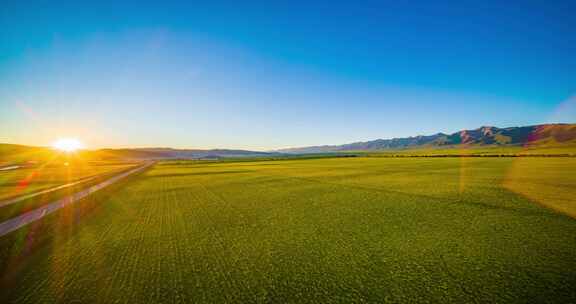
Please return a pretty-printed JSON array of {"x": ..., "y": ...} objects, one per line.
[
  {"x": 24, "y": 189},
  {"x": 28, "y": 180},
  {"x": 364, "y": 229}
]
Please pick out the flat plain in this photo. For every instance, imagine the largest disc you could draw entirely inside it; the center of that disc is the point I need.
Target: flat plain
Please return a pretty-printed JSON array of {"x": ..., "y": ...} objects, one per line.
[
  {"x": 25, "y": 189},
  {"x": 358, "y": 229},
  {"x": 14, "y": 183}
]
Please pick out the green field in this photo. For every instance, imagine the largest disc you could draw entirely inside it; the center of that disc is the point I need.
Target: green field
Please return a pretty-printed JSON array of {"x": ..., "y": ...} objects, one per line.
[
  {"x": 364, "y": 229},
  {"x": 14, "y": 183},
  {"x": 45, "y": 179}
]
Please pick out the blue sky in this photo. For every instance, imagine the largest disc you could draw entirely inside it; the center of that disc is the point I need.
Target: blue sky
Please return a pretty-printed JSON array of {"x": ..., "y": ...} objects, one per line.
[{"x": 273, "y": 74}]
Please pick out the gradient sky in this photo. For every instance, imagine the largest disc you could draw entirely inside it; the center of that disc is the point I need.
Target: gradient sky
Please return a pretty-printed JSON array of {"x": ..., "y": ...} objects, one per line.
[{"x": 271, "y": 74}]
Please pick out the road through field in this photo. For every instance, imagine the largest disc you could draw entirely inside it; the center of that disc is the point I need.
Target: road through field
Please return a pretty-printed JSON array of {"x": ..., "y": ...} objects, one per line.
[
  {"x": 356, "y": 230},
  {"x": 36, "y": 214},
  {"x": 49, "y": 190}
]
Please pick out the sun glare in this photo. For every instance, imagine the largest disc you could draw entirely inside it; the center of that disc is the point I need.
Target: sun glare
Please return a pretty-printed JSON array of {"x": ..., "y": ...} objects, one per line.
[{"x": 67, "y": 144}]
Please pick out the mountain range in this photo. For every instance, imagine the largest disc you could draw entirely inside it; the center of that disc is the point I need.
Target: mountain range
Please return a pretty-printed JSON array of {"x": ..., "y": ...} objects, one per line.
[
  {"x": 537, "y": 136},
  {"x": 11, "y": 153},
  {"x": 170, "y": 153},
  {"x": 529, "y": 136}
]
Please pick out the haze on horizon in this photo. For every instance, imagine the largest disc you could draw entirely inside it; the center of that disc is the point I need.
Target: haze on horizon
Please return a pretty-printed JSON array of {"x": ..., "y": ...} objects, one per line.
[{"x": 264, "y": 75}]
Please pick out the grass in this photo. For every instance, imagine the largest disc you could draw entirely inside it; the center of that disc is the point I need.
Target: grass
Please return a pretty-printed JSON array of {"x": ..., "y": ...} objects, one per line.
[
  {"x": 98, "y": 173},
  {"x": 479, "y": 150},
  {"x": 448, "y": 230},
  {"x": 24, "y": 181}
]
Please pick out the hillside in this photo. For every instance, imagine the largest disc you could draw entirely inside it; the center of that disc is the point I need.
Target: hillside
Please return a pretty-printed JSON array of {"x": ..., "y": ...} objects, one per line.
[
  {"x": 545, "y": 135},
  {"x": 169, "y": 153},
  {"x": 540, "y": 137},
  {"x": 10, "y": 153}
]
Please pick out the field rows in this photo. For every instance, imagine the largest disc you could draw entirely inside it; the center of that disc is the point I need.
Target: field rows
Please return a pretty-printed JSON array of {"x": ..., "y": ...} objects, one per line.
[
  {"x": 23, "y": 181},
  {"x": 329, "y": 230}
]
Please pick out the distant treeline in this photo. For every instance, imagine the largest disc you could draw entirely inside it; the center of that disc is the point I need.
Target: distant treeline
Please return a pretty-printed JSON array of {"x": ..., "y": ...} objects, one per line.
[
  {"x": 185, "y": 161},
  {"x": 473, "y": 155}
]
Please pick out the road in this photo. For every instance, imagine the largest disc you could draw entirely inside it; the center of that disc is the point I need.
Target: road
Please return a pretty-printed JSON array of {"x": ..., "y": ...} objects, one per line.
[
  {"x": 36, "y": 214},
  {"x": 31, "y": 195}
]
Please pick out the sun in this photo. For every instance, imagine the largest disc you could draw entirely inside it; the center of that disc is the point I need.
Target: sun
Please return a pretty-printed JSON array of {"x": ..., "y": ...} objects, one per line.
[{"x": 67, "y": 145}]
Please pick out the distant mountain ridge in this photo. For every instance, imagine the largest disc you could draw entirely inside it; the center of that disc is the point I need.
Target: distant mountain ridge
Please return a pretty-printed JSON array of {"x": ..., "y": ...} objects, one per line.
[
  {"x": 536, "y": 135},
  {"x": 545, "y": 135},
  {"x": 170, "y": 153},
  {"x": 10, "y": 153}
]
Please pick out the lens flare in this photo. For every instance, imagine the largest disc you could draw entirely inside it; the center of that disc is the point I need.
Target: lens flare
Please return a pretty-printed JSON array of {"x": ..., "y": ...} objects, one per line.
[{"x": 67, "y": 145}]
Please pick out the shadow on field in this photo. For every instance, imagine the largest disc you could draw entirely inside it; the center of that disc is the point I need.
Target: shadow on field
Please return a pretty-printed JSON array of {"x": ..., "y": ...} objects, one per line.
[
  {"x": 462, "y": 200},
  {"x": 261, "y": 164}
]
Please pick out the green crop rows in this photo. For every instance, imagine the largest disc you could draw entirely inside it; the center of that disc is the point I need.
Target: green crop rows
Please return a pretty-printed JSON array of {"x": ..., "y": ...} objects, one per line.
[
  {"x": 14, "y": 183},
  {"x": 453, "y": 230}
]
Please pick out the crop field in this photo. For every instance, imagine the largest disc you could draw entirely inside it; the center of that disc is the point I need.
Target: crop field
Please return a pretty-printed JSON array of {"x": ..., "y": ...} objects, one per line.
[
  {"x": 11, "y": 208},
  {"x": 361, "y": 229},
  {"x": 28, "y": 180}
]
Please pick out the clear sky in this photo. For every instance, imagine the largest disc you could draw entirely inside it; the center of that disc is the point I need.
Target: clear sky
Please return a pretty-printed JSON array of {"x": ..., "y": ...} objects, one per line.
[{"x": 270, "y": 74}]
